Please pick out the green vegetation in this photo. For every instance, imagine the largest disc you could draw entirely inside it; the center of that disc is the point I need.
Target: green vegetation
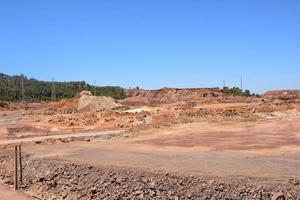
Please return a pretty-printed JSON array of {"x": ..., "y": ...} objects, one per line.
[
  {"x": 235, "y": 91},
  {"x": 35, "y": 90}
]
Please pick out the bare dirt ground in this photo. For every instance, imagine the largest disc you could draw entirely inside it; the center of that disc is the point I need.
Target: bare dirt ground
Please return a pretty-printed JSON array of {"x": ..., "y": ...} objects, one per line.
[
  {"x": 61, "y": 137},
  {"x": 227, "y": 139},
  {"x": 267, "y": 149},
  {"x": 7, "y": 193}
]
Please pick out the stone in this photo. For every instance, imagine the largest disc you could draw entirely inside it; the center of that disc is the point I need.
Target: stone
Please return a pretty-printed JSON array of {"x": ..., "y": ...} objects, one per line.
[
  {"x": 7, "y": 181},
  {"x": 278, "y": 196},
  {"x": 152, "y": 185}
]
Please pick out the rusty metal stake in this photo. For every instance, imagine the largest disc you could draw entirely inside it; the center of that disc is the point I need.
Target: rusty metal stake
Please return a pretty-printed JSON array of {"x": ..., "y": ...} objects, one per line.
[
  {"x": 16, "y": 168},
  {"x": 20, "y": 163}
]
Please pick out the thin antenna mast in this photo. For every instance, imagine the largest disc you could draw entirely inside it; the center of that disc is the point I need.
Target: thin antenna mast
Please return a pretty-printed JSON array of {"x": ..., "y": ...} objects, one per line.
[
  {"x": 7, "y": 91},
  {"x": 22, "y": 88},
  {"x": 95, "y": 88},
  {"x": 242, "y": 82},
  {"x": 53, "y": 96}
]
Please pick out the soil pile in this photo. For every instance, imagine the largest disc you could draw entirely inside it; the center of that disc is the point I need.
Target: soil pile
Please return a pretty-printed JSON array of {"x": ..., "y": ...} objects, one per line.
[
  {"x": 85, "y": 102},
  {"x": 89, "y": 103},
  {"x": 12, "y": 106},
  {"x": 172, "y": 95},
  {"x": 3, "y": 105},
  {"x": 283, "y": 94}
]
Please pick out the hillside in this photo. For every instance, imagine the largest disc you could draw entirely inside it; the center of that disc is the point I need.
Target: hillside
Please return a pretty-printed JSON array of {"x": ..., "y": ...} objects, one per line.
[
  {"x": 279, "y": 93},
  {"x": 35, "y": 90},
  {"x": 173, "y": 95}
]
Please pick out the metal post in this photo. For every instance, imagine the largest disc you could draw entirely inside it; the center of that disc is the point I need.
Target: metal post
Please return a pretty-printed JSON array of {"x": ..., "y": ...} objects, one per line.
[
  {"x": 16, "y": 168},
  {"x": 241, "y": 82},
  {"x": 95, "y": 89},
  {"x": 22, "y": 85},
  {"x": 53, "y": 95},
  {"x": 20, "y": 163}
]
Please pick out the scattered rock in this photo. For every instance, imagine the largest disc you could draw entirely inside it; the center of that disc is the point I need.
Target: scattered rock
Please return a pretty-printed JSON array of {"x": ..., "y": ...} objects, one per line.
[
  {"x": 278, "y": 196},
  {"x": 38, "y": 142},
  {"x": 51, "y": 179},
  {"x": 7, "y": 181}
]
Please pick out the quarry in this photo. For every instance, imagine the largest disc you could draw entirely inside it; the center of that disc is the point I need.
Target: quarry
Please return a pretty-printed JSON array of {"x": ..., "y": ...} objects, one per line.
[{"x": 171, "y": 143}]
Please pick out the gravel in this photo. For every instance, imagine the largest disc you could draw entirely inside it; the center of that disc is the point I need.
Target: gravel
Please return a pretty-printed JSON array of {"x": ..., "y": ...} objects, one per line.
[{"x": 50, "y": 179}]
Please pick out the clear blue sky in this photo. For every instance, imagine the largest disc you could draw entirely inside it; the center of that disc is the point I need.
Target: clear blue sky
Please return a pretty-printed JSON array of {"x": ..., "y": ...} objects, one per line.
[{"x": 154, "y": 43}]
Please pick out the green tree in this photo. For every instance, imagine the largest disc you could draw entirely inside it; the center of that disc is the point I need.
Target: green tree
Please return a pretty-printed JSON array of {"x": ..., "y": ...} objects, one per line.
[{"x": 35, "y": 90}]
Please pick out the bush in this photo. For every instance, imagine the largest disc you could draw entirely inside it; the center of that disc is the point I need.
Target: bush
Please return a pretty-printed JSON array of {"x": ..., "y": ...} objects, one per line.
[{"x": 235, "y": 91}]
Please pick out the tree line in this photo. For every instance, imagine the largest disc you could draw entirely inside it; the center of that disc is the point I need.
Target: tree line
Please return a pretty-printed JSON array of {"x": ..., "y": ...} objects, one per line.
[
  {"x": 19, "y": 87},
  {"x": 235, "y": 91}
]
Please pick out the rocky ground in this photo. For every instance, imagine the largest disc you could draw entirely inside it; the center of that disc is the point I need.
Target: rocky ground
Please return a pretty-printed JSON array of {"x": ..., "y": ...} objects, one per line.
[
  {"x": 52, "y": 179},
  {"x": 144, "y": 109},
  {"x": 191, "y": 123}
]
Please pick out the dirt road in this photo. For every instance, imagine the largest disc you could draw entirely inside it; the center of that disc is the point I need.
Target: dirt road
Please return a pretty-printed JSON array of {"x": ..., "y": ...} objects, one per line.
[
  {"x": 62, "y": 136},
  {"x": 244, "y": 152},
  {"x": 194, "y": 162},
  {"x": 9, "y": 194},
  {"x": 267, "y": 149}
]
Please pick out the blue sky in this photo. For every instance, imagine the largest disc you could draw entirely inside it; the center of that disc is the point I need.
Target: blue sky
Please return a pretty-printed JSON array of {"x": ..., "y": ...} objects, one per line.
[{"x": 154, "y": 43}]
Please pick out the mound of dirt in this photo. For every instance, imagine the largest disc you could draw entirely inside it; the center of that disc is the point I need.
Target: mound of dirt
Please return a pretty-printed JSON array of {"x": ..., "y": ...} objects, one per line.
[
  {"x": 283, "y": 94},
  {"x": 85, "y": 102},
  {"x": 11, "y": 106},
  {"x": 89, "y": 103},
  {"x": 172, "y": 95},
  {"x": 3, "y": 105}
]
